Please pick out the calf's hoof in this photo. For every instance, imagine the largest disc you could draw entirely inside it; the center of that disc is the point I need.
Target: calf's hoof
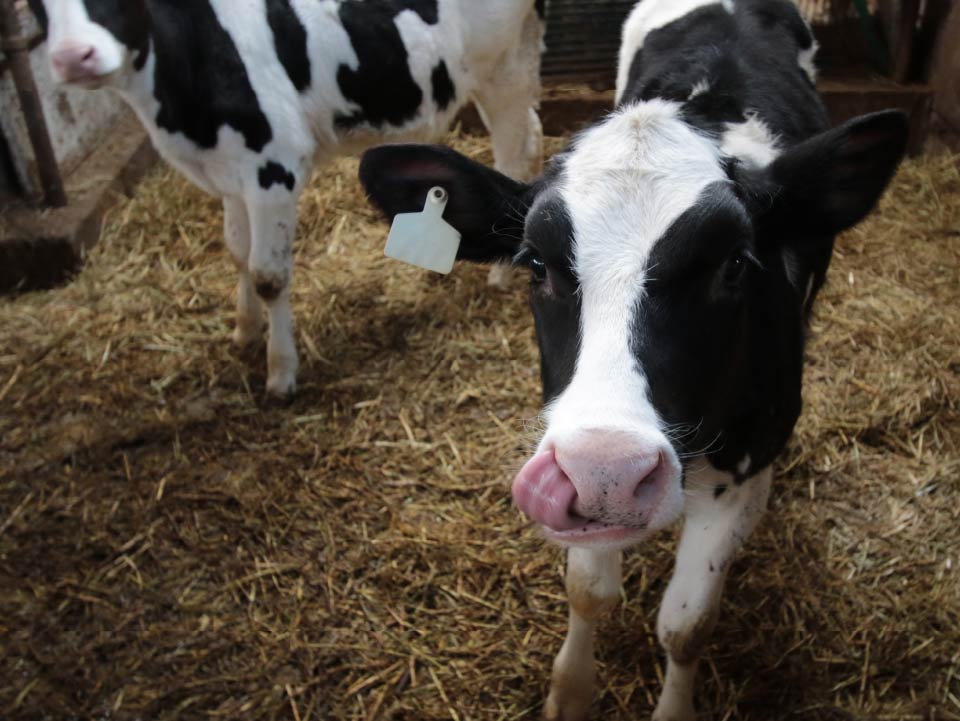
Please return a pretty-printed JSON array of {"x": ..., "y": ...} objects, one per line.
[
  {"x": 281, "y": 387},
  {"x": 246, "y": 336},
  {"x": 674, "y": 710},
  {"x": 568, "y": 701}
]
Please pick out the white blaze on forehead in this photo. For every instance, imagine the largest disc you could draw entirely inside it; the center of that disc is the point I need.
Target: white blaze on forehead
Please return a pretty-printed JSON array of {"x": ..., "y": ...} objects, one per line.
[
  {"x": 624, "y": 184},
  {"x": 646, "y": 17}
]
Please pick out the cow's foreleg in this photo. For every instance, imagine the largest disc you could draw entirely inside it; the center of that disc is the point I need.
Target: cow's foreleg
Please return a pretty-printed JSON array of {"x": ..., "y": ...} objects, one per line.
[
  {"x": 593, "y": 587},
  {"x": 236, "y": 231},
  {"x": 717, "y": 522},
  {"x": 273, "y": 223},
  {"x": 508, "y": 104}
]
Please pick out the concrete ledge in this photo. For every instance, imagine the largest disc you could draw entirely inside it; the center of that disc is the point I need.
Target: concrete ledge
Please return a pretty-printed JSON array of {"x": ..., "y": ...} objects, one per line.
[{"x": 41, "y": 248}]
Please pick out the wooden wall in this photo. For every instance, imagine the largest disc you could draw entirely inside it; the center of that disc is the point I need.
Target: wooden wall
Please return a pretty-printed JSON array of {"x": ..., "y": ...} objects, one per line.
[{"x": 945, "y": 80}]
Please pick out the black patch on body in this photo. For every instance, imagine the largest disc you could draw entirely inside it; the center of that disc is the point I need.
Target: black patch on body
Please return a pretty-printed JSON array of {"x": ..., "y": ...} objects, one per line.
[
  {"x": 290, "y": 39},
  {"x": 719, "y": 490},
  {"x": 541, "y": 6},
  {"x": 40, "y": 13},
  {"x": 382, "y": 84},
  {"x": 274, "y": 173},
  {"x": 428, "y": 10},
  {"x": 443, "y": 89},
  {"x": 201, "y": 82},
  {"x": 749, "y": 59}
]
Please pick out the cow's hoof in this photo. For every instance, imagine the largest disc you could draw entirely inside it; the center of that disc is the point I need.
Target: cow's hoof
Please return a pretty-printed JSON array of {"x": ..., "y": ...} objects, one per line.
[{"x": 500, "y": 276}]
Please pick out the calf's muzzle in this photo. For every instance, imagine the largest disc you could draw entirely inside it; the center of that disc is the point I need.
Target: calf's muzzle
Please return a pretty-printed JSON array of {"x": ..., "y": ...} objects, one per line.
[{"x": 595, "y": 480}]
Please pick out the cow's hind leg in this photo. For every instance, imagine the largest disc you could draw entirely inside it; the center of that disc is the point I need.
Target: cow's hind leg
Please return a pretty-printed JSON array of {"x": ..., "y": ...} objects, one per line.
[
  {"x": 508, "y": 102},
  {"x": 719, "y": 517},
  {"x": 273, "y": 223},
  {"x": 593, "y": 587},
  {"x": 236, "y": 231}
]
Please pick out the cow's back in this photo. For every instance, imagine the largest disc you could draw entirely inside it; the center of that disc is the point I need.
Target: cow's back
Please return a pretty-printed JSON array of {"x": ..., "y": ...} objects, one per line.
[{"x": 730, "y": 63}]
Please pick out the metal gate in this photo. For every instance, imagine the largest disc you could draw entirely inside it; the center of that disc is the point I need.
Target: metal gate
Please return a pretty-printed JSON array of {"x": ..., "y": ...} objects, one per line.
[{"x": 583, "y": 36}]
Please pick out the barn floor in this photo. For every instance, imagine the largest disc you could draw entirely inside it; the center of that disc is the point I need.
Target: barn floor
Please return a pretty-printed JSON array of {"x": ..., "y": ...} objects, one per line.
[{"x": 173, "y": 548}]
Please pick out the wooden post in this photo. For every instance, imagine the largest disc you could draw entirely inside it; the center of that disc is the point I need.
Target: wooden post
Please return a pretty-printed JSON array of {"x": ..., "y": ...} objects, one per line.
[{"x": 17, "y": 49}]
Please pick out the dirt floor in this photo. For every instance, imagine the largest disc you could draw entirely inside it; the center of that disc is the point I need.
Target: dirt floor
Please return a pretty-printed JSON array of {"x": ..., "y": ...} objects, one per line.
[{"x": 173, "y": 548}]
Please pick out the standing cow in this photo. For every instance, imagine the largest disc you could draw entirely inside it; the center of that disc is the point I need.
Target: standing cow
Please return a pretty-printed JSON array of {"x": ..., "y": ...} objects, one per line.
[
  {"x": 675, "y": 250},
  {"x": 242, "y": 96}
]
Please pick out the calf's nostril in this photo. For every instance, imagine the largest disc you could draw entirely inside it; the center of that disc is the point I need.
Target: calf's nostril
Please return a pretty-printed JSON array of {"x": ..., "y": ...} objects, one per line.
[{"x": 646, "y": 482}]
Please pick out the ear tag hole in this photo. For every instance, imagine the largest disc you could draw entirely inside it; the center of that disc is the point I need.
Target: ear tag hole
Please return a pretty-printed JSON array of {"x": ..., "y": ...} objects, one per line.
[{"x": 425, "y": 239}]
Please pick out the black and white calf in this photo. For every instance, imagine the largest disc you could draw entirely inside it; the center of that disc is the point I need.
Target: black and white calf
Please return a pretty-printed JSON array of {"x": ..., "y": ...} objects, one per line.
[
  {"x": 243, "y": 95},
  {"x": 675, "y": 250}
]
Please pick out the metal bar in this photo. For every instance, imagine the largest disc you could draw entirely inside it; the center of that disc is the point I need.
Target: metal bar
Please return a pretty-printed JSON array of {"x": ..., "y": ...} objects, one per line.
[
  {"x": 906, "y": 34},
  {"x": 17, "y": 49},
  {"x": 878, "y": 49}
]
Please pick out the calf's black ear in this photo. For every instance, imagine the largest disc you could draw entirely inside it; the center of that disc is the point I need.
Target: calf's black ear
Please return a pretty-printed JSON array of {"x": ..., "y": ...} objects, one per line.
[
  {"x": 830, "y": 182},
  {"x": 487, "y": 207}
]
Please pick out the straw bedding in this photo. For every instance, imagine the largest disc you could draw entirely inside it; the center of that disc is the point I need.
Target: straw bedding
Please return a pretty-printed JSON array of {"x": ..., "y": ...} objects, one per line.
[{"x": 173, "y": 548}]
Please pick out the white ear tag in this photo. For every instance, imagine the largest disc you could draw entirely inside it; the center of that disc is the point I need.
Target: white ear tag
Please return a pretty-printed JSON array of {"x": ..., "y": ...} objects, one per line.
[{"x": 425, "y": 239}]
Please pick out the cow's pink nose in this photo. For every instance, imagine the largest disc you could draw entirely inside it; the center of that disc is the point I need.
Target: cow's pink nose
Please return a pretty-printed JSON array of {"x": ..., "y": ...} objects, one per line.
[
  {"x": 74, "y": 61},
  {"x": 607, "y": 476}
]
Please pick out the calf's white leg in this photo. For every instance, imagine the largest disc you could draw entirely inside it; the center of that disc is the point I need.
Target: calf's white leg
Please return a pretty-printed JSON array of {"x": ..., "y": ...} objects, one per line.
[
  {"x": 508, "y": 103},
  {"x": 593, "y": 588},
  {"x": 273, "y": 223},
  {"x": 714, "y": 529},
  {"x": 236, "y": 231}
]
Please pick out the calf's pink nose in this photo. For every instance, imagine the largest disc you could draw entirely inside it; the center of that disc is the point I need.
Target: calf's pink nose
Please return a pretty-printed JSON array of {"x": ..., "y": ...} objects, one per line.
[
  {"x": 74, "y": 60},
  {"x": 597, "y": 475},
  {"x": 612, "y": 472}
]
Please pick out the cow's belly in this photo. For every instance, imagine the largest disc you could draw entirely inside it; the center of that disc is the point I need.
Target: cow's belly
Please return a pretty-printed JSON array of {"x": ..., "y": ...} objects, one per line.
[{"x": 427, "y": 127}]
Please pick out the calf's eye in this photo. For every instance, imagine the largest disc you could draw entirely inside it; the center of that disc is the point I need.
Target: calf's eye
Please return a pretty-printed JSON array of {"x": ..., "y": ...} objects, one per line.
[
  {"x": 531, "y": 258},
  {"x": 538, "y": 269},
  {"x": 736, "y": 267}
]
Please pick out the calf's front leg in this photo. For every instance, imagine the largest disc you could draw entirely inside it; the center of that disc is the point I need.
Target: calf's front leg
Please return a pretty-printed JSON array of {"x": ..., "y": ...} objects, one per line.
[
  {"x": 236, "y": 231},
  {"x": 716, "y": 525},
  {"x": 508, "y": 103},
  {"x": 273, "y": 222},
  {"x": 593, "y": 587}
]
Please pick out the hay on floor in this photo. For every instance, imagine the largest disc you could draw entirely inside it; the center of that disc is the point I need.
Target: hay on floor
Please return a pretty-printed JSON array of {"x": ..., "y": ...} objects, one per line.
[{"x": 172, "y": 548}]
